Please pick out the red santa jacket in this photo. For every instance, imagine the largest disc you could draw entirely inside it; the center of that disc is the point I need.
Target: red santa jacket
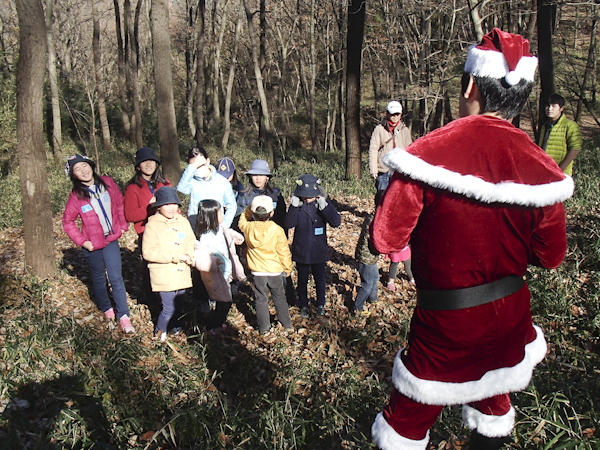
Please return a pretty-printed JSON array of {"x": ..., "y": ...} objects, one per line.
[{"x": 478, "y": 201}]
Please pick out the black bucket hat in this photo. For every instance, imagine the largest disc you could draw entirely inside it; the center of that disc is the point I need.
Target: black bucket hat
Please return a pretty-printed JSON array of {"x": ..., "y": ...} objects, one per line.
[
  {"x": 308, "y": 186},
  {"x": 145, "y": 154},
  {"x": 165, "y": 196}
]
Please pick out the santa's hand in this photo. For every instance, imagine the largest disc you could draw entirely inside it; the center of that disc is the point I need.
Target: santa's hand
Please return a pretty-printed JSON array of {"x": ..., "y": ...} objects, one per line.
[
  {"x": 296, "y": 201},
  {"x": 322, "y": 202}
]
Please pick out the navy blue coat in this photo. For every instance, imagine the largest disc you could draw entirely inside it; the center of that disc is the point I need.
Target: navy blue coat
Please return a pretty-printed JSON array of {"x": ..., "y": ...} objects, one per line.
[{"x": 310, "y": 238}]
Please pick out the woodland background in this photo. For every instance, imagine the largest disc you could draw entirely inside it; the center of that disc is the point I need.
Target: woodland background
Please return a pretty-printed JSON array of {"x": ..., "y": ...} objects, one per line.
[{"x": 302, "y": 84}]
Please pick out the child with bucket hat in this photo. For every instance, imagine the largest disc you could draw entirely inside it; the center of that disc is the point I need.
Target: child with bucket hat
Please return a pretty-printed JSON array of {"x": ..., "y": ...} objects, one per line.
[
  {"x": 309, "y": 214},
  {"x": 168, "y": 246}
]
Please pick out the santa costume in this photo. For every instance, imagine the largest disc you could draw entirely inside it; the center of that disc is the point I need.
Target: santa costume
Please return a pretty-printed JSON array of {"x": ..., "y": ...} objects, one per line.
[{"x": 478, "y": 202}]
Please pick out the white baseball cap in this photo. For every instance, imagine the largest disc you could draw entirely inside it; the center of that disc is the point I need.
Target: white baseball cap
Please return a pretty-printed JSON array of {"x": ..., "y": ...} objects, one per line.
[{"x": 394, "y": 107}]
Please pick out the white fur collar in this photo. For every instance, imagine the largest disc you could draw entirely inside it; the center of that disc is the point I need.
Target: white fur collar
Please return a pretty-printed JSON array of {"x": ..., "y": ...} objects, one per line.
[{"x": 477, "y": 188}]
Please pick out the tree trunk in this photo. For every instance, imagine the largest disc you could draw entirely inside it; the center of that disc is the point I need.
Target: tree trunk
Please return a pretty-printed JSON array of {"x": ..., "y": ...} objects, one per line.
[
  {"x": 473, "y": 4},
  {"x": 56, "y": 120},
  {"x": 99, "y": 78},
  {"x": 121, "y": 79},
  {"x": 356, "y": 22},
  {"x": 266, "y": 121},
  {"x": 163, "y": 81},
  {"x": 35, "y": 194},
  {"x": 545, "y": 24},
  {"x": 230, "y": 79},
  {"x": 589, "y": 67},
  {"x": 313, "y": 80},
  {"x": 135, "y": 57},
  {"x": 200, "y": 75},
  {"x": 262, "y": 58}
]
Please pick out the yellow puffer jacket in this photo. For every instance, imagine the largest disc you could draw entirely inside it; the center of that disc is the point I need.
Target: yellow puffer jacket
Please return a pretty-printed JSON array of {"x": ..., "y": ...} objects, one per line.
[
  {"x": 164, "y": 241},
  {"x": 268, "y": 249}
]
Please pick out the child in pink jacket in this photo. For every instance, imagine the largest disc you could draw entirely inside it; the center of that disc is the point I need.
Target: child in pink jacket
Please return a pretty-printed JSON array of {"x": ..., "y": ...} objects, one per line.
[{"x": 99, "y": 203}]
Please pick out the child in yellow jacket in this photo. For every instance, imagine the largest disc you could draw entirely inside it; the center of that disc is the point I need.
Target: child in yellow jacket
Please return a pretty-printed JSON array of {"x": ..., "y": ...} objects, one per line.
[
  {"x": 269, "y": 257},
  {"x": 168, "y": 246}
]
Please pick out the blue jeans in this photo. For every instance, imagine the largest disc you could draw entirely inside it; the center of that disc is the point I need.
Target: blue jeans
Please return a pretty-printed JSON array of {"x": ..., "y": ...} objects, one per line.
[
  {"x": 171, "y": 306},
  {"x": 369, "y": 276},
  {"x": 381, "y": 184},
  {"x": 318, "y": 271},
  {"x": 105, "y": 261}
]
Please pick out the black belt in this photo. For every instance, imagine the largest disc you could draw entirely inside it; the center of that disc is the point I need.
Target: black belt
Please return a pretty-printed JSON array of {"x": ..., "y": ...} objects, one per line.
[{"x": 469, "y": 297}]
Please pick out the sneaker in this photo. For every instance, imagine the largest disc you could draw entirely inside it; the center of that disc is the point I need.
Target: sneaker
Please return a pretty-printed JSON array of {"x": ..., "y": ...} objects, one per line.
[
  {"x": 320, "y": 310},
  {"x": 176, "y": 331},
  {"x": 126, "y": 326},
  {"x": 163, "y": 336},
  {"x": 391, "y": 286},
  {"x": 364, "y": 313},
  {"x": 411, "y": 282},
  {"x": 305, "y": 312},
  {"x": 110, "y": 314}
]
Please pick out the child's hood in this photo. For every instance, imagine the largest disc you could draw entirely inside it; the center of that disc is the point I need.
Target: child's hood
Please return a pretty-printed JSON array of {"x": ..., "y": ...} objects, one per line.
[{"x": 260, "y": 233}]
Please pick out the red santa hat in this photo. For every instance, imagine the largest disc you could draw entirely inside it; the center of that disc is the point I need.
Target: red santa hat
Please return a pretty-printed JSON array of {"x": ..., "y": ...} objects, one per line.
[{"x": 502, "y": 55}]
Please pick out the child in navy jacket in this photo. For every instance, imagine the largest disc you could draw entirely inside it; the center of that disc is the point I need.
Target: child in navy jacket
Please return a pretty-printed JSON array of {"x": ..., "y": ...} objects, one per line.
[{"x": 309, "y": 214}]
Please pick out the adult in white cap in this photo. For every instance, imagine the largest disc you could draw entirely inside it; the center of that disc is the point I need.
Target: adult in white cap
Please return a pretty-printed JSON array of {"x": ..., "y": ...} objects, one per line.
[
  {"x": 479, "y": 202},
  {"x": 389, "y": 134}
]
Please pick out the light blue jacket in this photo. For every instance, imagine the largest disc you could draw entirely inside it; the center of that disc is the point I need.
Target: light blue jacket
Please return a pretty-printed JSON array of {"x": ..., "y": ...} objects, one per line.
[{"x": 216, "y": 187}]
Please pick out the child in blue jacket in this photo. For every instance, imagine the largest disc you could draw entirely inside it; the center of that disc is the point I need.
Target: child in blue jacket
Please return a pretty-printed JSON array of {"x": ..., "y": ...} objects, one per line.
[{"x": 309, "y": 214}]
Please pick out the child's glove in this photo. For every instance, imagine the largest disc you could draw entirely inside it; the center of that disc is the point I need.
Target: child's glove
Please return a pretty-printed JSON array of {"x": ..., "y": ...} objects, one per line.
[
  {"x": 322, "y": 202},
  {"x": 296, "y": 201}
]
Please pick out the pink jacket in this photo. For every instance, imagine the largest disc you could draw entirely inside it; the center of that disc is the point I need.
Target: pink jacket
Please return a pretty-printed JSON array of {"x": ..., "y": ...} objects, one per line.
[{"x": 91, "y": 228}]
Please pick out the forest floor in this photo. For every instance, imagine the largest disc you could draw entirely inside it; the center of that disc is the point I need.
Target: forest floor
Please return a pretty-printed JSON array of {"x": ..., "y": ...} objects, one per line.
[{"x": 336, "y": 340}]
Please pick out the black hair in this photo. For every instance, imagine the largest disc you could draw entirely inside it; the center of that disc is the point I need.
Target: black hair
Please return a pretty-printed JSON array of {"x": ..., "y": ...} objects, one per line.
[
  {"x": 208, "y": 217},
  {"x": 556, "y": 99},
  {"x": 261, "y": 214},
  {"x": 234, "y": 181},
  {"x": 499, "y": 97},
  {"x": 155, "y": 179},
  {"x": 195, "y": 151},
  {"x": 268, "y": 186},
  {"x": 81, "y": 190}
]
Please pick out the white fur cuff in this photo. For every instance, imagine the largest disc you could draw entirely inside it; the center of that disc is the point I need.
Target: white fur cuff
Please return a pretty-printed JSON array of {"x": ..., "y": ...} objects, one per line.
[
  {"x": 386, "y": 437},
  {"x": 493, "y": 382},
  {"x": 488, "y": 425}
]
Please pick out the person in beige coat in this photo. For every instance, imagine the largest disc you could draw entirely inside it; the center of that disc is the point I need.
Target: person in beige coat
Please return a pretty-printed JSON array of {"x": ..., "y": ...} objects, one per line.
[
  {"x": 389, "y": 134},
  {"x": 168, "y": 246},
  {"x": 269, "y": 258}
]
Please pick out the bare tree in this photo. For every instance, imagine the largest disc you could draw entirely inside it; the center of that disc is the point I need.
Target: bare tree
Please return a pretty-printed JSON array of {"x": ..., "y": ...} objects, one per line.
[
  {"x": 356, "y": 23},
  {"x": 200, "y": 74},
  {"x": 122, "y": 66},
  {"x": 53, "y": 78},
  {"x": 545, "y": 23},
  {"x": 228, "y": 92},
  {"x": 133, "y": 34},
  {"x": 163, "y": 81},
  {"x": 259, "y": 82},
  {"x": 100, "y": 78},
  {"x": 35, "y": 194}
]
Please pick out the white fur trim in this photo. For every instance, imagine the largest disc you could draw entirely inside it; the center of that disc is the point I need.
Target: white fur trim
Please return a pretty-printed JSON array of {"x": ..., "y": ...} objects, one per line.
[
  {"x": 476, "y": 188},
  {"x": 387, "y": 438},
  {"x": 494, "y": 382},
  {"x": 488, "y": 425},
  {"x": 489, "y": 63}
]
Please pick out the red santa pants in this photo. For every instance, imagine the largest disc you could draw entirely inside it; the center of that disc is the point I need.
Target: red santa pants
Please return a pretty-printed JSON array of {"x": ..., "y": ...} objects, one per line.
[{"x": 412, "y": 420}]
